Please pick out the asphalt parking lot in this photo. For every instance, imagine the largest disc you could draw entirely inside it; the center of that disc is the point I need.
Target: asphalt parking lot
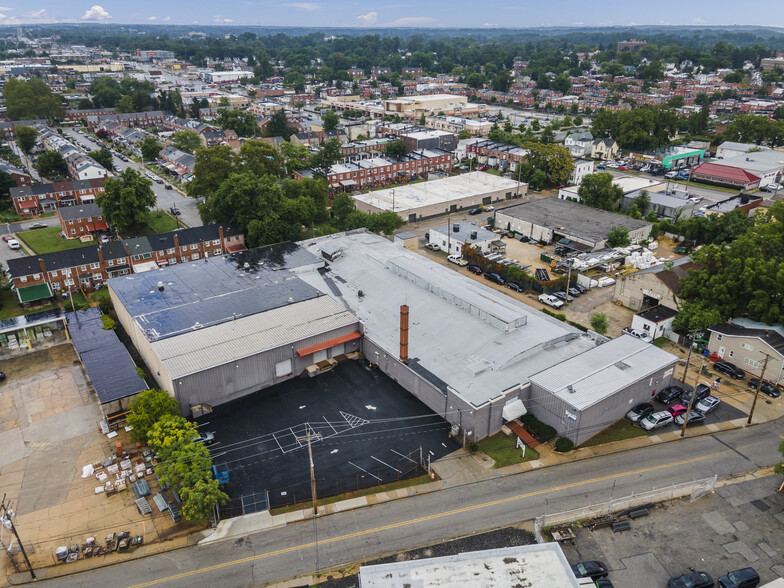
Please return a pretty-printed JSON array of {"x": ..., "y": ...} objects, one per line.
[
  {"x": 365, "y": 428},
  {"x": 739, "y": 526},
  {"x": 723, "y": 412}
]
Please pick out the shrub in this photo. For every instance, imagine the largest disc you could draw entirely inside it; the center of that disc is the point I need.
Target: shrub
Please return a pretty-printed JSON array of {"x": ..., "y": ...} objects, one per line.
[
  {"x": 109, "y": 323},
  {"x": 544, "y": 432},
  {"x": 472, "y": 447},
  {"x": 563, "y": 445}
]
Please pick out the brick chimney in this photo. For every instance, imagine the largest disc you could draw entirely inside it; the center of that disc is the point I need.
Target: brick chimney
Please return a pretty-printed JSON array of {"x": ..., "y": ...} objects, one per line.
[
  {"x": 220, "y": 236},
  {"x": 43, "y": 271},
  {"x": 102, "y": 264},
  {"x": 404, "y": 333},
  {"x": 177, "y": 251},
  {"x": 128, "y": 253}
]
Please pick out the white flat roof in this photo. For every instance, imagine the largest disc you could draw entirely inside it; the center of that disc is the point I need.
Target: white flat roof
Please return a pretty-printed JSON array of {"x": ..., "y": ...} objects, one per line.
[
  {"x": 213, "y": 346},
  {"x": 532, "y": 566},
  {"x": 477, "y": 340},
  {"x": 413, "y": 196}
]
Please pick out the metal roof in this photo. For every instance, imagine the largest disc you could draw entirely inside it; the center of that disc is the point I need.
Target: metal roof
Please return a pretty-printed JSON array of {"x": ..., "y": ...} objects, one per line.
[
  {"x": 598, "y": 373},
  {"x": 202, "y": 349}
]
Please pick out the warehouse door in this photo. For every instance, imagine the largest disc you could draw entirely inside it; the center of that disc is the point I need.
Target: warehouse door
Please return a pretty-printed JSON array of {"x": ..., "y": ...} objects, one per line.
[
  {"x": 338, "y": 350},
  {"x": 283, "y": 368},
  {"x": 320, "y": 356}
]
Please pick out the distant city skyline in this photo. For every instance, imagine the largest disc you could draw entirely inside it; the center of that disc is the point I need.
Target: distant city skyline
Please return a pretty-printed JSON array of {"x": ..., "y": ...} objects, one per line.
[{"x": 430, "y": 14}]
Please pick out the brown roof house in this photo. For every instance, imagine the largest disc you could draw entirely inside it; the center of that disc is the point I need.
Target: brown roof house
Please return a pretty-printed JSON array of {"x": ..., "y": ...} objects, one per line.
[{"x": 659, "y": 284}]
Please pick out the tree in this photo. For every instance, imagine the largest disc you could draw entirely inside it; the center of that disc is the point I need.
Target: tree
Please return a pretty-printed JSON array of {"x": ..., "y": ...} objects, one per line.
[
  {"x": 105, "y": 92},
  {"x": 187, "y": 141},
  {"x": 395, "y": 148},
  {"x": 342, "y": 206},
  {"x": 643, "y": 202},
  {"x": 260, "y": 158},
  {"x": 422, "y": 120},
  {"x": 578, "y": 120},
  {"x": 6, "y": 183},
  {"x": 213, "y": 166},
  {"x": 278, "y": 126},
  {"x": 51, "y": 163},
  {"x": 599, "y": 322},
  {"x": 85, "y": 104},
  {"x": 618, "y": 237},
  {"x": 104, "y": 157},
  {"x": 325, "y": 158},
  {"x": 32, "y": 99},
  {"x": 553, "y": 160},
  {"x": 244, "y": 124},
  {"x": 147, "y": 408},
  {"x": 126, "y": 200},
  {"x": 599, "y": 191},
  {"x": 124, "y": 104},
  {"x": 296, "y": 157},
  {"x": 329, "y": 120},
  {"x": 150, "y": 149},
  {"x": 26, "y": 137}
]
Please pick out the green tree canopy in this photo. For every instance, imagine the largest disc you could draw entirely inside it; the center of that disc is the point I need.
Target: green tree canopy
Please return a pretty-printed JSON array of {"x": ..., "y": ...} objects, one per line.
[
  {"x": 187, "y": 141},
  {"x": 126, "y": 200},
  {"x": 278, "y": 126},
  {"x": 147, "y": 408},
  {"x": 329, "y": 120},
  {"x": 553, "y": 160},
  {"x": 26, "y": 137},
  {"x": 395, "y": 148},
  {"x": 260, "y": 158},
  {"x": 104, "y": 157},
  {"x": 124, "y": 104},
  {"x": 211, "y": 169},
  {"x": 325, "y": 158},
  {"x": 599, "y": 322},
  {"x": 150, "y": 149},
  {"x": 598, "y": 191},
  {"x": 51, "y": 163},
  {"x": 618, "y": 237},
  {"x": 242, "y": 123},
  {"x": 6, "y": 183},
  {"x": 32, "y": 99}
]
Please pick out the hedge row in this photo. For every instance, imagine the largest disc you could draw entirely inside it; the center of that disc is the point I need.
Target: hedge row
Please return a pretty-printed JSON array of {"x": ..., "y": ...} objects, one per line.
[
  {"x": 544, "y": 432},
  {"x": 562, "y": 317}
]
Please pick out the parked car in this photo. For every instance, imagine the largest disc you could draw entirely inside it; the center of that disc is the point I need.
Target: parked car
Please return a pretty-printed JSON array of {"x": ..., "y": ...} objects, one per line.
[
  {"x": 515, "y": 286},
  {"x": 640, "y": 412},
  {"x": 669, "y": 394},
  {"x": 487, "y": 208},
  {"x": 677, "y": 410},
  {"x": 550, "y": 300},
  {"x": 432, "y": 247},
  {"x": 636, "y": 333},
  {"x": 590, "y": 569},
  {"x": 475, "y": 211},
  {"x": 494, "y": 277},
  {"x": 623, "y": 168},
  {"x": 670, "y": 175},
  {"x": 2, "y": 376},
  {"x": 482, "y": 168},
  {"x": 691, "y": 580},
  {"x": 582, "y": 289},
  {"x": 701, "y": 392},
  {"x": 175, "y": 211},
  {"x": 729, "y": 369},
  {"x": 601, "y": 166},
  {"x": 743, "y": 578},
  {"x": 707, "y": 404},
  {"x": 656, "y": 420},
  {"x": 561, "y": 295},
  {"x": 37, "y": 226},
  {"x": 575, "y": 291},
  {"x": 604, "y": 583},
  {"x": 207, "y": 438},
  {"x": 456, "y": 259},
  {"x": 168, "y": 187},
  {"x": 766, "y": 388},
  {"x": 474, "y": 269},
  {"x": 14, "y": 244},
  {"x": 524, "y": 239},
  {"x": 695, "y": 418},
  {"x": 105, "y": 239},
  {"x": 7, "y": 238}
]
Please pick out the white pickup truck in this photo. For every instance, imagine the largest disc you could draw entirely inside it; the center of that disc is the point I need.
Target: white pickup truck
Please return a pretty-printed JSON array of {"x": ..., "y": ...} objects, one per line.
[{"x": 550, "y": 300}]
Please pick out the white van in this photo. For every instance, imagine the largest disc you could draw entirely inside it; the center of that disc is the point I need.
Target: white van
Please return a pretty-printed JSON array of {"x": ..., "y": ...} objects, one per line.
[
  {"x": 458, "y": 260},
  {"x": 14, "y": 244},
  {"x": 550, "y": 300}
]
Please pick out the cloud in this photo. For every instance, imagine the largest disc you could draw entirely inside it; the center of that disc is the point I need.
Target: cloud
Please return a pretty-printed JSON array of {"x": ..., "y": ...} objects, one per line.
[
  {"x": 152, "y": 18},
  {"x": 5, "y": 9},
  {"x": 220, "y": 20},
  {"x": 39, "y": 14},
  {"x": 4, "y": 19},
  {"x": 490, "y": 24},
  {"x": 306, "y": 6},
  {"x": 96, "y": 13},
  {"x": 578, "y": 23},
  {"x": 166, "y": 18},
  {"x": 410, "y": 21},
  {"x": 698, "y": 21},
  {"x": 369, "y": 18}
]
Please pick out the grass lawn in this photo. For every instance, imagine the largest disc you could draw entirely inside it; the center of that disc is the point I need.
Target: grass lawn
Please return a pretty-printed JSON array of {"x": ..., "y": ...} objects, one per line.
[
  {"x": 10, "y": 305},
  {"x": 356, "y": 494},
  {"x": 502, "y": 449},
  {"x": 49, "y": 239},
  {"x": 159, "y": 221},
  {"x": 623, "y": 429}
]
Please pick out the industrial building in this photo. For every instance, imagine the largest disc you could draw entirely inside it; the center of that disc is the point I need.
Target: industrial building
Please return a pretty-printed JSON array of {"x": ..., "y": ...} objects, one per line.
[
  {"x": 221, "y": 328},
  {"x": 533, "y": 566},
  {"x": 631, "y": 186},
  {"x": 451, "y": 238},
  {"x": 415, "y": 202},
  {"x": 746, "y": 171},
  {"x": 552, "y": 219}
]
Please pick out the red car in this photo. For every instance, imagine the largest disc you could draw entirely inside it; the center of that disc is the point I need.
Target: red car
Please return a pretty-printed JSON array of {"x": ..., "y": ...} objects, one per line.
[
  {"x": 482, "y": 168},
  {"x": 7, "y": 238},
  {"x": 623, "y": 167},
  {"x": 676, "y": 410}
]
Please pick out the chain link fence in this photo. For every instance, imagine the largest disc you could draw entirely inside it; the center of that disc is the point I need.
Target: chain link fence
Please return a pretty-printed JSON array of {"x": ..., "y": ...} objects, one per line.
[{"x": 695, "y": 489}]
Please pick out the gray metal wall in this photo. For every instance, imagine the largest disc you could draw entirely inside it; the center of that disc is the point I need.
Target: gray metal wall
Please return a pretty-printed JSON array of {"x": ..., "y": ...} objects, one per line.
[
  {"x": 551, "y": 409},
  {"x": 245, "y": 376}
]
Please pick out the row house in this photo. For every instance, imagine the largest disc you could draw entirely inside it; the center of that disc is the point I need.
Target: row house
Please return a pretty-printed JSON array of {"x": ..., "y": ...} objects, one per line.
[
  {"x": 85, "y": 220},
  {"x": 304, "y": 98},
  {"x": 220, "y": 137},
  {"x": 74, "y": 115},
  {"x": 136, "y": 120},
  {"x": 378, "y": 171},
  {"x": 379, "y": 71},
  {"x": 495, "y": 152},
  {"x": 174, "y": 123},
  {"x": 265, "y": 108},
  {"x": 356, "y": 72},
  {"x": 176, "y": 161},
  {"x": 8, "y": 128},
  {"x": 39, "y": 277},
  {"x": 41, "y": 198},
  {"x": 411, "y": 71},
  {"x": 80, "y": 165},
  {"x": 21, "y": 177},
  {"x": 318, "y": 138}
]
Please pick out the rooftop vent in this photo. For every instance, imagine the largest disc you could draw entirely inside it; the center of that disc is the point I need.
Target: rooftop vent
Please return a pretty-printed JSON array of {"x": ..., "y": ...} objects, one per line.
[
  {"x": 246, "y": 265},
  {"x": 473, "y": 235},
  {"x": 290, "y": 300},
  {"x": 160, "y": 286},
  {"x": 197, "y": 326},
  {"x": 456, "y": 228},
  {"x": 570, "y": 389}
]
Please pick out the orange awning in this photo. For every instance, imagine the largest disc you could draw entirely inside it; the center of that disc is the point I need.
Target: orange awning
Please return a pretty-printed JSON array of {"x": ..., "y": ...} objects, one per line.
[
  {"x": 101, "y": 226},
  {"x": 327, "y": 344}
]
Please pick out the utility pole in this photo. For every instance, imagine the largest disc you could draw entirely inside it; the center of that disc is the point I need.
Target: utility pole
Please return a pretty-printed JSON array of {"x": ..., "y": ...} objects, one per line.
[
  {"x": 8, "y": 515},
  {"x": 307, "y": 438},
  {"x": 690, "y": 337},
  {"x": 691, "y": 399},
  {"x": 757, "y": 391}
]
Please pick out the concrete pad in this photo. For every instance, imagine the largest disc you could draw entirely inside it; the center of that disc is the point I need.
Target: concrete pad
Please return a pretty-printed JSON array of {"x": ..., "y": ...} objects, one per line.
[
  {"x": 718, "y": 523},
  {"x": 66, "y": 425},
  {"x": 779, "y": 517},
  {"x": 242, "y": 526},
  {"x": 640, "y": 570},
  {"x": 767, "y": 549},
  {"x": 712, "y": 427},
  {"x": 350, "y": 504},
  {"x": 12, "y": 446},
  {"x": 741, "y": 526},
  {"x": 742, "y": 549},
  {"x": 779, "y": 569}
]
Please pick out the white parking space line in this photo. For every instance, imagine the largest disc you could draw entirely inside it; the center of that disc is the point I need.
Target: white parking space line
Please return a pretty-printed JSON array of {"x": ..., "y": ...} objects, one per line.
[
  {"x": 403, "y": 456},
  {"x": 330, "y": 424},
  {"x": 386, "y": 464},
  {"x": 364, "y": 470}
]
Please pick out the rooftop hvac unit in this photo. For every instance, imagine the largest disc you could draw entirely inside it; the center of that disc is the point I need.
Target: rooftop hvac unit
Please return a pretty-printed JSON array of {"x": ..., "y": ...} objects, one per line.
[
  {"x": 160, "y": 286},
  {"x": 473, "y": 235},
  {"x": 456, "y": 228}
]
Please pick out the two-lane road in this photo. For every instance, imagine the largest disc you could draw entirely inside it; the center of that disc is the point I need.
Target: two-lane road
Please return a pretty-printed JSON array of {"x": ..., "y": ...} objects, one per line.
[{"x": 352, "y": 536}]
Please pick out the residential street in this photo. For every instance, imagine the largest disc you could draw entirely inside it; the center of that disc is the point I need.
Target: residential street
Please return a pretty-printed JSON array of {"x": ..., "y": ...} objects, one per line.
[{"x": 356, "y": 535}]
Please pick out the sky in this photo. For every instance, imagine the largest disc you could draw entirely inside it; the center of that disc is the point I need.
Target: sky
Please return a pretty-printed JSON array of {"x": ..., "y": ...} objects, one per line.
[{"x": 396, "y": 13}]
